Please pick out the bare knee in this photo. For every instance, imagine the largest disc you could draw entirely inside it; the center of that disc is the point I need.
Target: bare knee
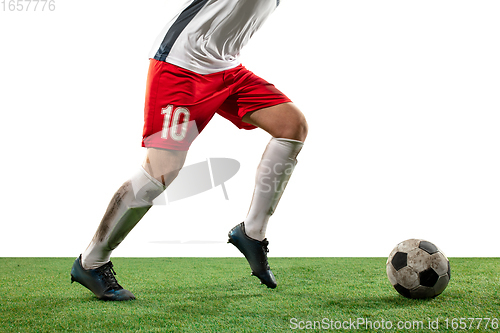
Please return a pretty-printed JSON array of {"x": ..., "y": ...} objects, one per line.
[
  {"x": 164, "y": 165},
  {"x": 281, "y": 121},
  {"x": 294, "y": 129}
]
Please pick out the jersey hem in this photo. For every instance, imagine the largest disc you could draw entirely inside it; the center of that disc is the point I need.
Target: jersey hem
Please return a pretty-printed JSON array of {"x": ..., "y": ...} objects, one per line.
[{"x": 198, "y": 70}]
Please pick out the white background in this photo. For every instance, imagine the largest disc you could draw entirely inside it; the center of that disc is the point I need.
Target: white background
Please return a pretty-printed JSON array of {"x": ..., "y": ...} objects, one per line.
[{"x": 402, "y": 100}]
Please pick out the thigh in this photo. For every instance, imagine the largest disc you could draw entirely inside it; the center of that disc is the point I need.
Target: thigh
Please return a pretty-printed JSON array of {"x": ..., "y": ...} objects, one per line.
[
  {"x": 248, "y": 93},
  {"x": 179, "y": 104},
  {"x": 281, "y": 121}
]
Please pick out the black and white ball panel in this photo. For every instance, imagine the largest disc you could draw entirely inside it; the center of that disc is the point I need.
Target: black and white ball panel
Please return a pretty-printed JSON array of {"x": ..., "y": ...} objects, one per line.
[{"x": 418, "y": 269}]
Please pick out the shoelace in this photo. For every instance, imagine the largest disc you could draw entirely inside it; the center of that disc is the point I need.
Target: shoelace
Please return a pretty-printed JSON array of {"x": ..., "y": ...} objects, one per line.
[
  {"x": 265, "y": 243},
  {"x": 108, "y": 274}
]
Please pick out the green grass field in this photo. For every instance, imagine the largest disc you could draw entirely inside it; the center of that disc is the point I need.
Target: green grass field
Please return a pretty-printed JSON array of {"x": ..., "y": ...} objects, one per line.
[{"x": 219, "y": 295}]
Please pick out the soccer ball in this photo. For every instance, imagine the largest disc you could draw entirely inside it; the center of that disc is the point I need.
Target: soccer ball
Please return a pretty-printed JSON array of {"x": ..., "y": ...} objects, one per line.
[{"x": 418, "y": 269}]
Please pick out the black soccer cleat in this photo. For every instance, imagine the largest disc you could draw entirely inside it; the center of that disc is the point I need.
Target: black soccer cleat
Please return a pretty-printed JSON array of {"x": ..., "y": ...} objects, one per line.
[
  {"x": 255, "y": 252},
  {"x": 101, "y": 281}
]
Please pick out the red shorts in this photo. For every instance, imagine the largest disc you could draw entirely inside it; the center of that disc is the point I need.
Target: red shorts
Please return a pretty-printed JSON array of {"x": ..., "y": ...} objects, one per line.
[{"x": 180, "y": 103}]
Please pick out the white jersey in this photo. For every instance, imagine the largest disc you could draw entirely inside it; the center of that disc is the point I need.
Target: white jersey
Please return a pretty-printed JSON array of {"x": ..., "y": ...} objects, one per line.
[{"x": 207, "y": 35}]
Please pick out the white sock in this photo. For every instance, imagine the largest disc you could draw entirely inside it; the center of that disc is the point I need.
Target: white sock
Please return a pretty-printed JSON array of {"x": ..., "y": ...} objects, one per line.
[
  {"x": 129, "y": 204},
  {"x": 273, "y": 173}
]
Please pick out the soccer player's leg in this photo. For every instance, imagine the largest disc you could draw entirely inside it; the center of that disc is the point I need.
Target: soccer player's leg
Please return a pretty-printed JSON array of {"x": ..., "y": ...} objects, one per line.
[
  {"x": 257, "y": 103},
  {"x": 93, "y": 269},
  {"x": 288, "y": 127}
]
